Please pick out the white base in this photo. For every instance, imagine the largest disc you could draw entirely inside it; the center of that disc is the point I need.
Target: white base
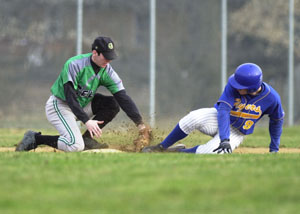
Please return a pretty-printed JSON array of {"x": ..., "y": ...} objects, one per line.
[{"x": 103, "y": 151}]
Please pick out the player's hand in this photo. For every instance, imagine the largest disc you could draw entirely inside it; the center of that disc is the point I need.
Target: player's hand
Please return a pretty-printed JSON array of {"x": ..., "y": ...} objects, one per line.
[
  {"x": 94, "y": 129},
  {"x": 224, "y": 146},
  {"x": 141, "y": 127},
  {"x": 144, "y": 137}
]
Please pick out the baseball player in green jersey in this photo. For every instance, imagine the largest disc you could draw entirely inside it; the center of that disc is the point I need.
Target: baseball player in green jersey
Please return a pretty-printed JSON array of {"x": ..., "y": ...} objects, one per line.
[{"x": 73, "y": 97}]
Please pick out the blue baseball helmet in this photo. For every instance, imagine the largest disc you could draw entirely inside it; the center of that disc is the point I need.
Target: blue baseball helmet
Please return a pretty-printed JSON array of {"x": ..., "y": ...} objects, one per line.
[{"x": 247, "y": 76}]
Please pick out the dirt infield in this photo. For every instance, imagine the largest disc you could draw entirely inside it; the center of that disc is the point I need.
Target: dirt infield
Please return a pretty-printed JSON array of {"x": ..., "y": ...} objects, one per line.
[{"x": 241, "y": 150}]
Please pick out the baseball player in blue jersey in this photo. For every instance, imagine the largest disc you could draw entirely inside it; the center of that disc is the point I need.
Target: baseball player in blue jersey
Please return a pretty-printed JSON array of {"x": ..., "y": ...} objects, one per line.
[
  {"x": 73, "y": 97},
  {"x": 244, "y": 101}
]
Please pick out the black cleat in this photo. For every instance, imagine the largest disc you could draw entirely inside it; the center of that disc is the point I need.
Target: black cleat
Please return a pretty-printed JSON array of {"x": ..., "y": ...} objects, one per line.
[
  {"x": 156, "y": 148},
  {"x": 90, "y": 143},
  {"x": 176, "y": 148},
  {"x": 160, "y": 148},
  {"x": 28, "y": 142}
]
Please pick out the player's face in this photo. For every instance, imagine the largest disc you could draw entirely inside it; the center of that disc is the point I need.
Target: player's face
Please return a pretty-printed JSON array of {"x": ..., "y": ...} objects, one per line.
[
  {"x": 245, "y": 92},
  {"x": 100, "y": 59},
  {"x": 256, "y": 92},
  {"x": 242, "y": 91}
]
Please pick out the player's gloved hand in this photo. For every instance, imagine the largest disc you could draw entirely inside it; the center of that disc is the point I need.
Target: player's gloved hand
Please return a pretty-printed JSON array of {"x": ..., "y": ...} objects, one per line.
[
  {"x": 224, "y": 146},
  {"x": 144, "y": 137},
  {"x": 141, "y": 126},
  {"x": 93, "y": 127}
]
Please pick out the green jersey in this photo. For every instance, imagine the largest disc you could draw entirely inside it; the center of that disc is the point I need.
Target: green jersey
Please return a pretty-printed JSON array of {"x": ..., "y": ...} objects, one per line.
[{"x": 80, "y": 72}]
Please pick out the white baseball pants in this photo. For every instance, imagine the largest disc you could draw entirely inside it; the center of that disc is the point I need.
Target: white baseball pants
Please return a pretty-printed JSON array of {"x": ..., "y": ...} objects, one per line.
[{"x": 205, "y": 120}]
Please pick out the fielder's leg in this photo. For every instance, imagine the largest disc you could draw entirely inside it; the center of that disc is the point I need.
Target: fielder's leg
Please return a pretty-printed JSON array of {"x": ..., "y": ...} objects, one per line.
[
  {"x": 105, "y": 108},
  {"x": 62, "y": 118},
  {"x": 28, "y": 142},
  {"x": 32, "y": 140},
  {"x": 59, "y": 115}
]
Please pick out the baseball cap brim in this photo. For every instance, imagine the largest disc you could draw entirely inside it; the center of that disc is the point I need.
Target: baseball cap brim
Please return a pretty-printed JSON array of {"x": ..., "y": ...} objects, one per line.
[
  {"x": 235, "y": 84},
  {"x": 110, "y": 55}
]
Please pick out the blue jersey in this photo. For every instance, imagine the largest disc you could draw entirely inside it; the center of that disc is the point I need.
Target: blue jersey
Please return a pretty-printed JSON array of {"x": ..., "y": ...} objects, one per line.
[{"x": 246, "y": 110}]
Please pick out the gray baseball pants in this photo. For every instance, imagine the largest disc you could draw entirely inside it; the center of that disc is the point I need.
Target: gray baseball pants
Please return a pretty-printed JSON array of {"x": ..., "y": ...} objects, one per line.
[{"x": 63, "y": 119}]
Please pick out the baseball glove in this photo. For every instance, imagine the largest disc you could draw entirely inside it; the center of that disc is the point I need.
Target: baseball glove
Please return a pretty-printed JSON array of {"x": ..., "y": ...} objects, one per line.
[{"x": 143, "y": 139}]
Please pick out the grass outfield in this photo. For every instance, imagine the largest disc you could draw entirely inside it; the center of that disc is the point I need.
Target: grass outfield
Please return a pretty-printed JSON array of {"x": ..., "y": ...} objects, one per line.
[{"x": 150, "y": 183}]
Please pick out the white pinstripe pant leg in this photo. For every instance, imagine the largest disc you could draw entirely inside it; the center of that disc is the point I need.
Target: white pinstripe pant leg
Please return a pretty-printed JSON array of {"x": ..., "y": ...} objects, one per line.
[
  {"x": 205, "y": 120},
  {"x": 236, "y": 138}
]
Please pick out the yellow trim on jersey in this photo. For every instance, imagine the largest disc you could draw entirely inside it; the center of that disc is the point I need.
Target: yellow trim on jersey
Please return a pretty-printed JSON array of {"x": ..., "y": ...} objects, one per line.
[
  {"x": 245, "y": 115},
  {"x": 250, "y": 107}
]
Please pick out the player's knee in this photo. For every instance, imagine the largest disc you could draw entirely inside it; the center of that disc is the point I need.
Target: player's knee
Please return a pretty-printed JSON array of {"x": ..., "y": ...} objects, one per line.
[
  {"x": 77, "y": 147},
  {"x": 189, "y": 119},
  {"x": 190, "y": 122},
  {"x": 80, "y": 148}
]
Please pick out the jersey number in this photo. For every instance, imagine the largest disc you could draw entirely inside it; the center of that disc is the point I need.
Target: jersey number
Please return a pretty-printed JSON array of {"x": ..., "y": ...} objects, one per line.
[{"x": 248, "y": 124}]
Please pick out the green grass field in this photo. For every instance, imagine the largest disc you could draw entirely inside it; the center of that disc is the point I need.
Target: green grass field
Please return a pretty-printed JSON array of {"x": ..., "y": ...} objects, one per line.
[{"x": 150, "y": 183}]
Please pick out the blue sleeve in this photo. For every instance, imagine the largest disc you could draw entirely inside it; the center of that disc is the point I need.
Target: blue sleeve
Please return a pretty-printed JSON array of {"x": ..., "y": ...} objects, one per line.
[
  {"x": 276, "y": 111},
  {"x": 228, "y": 96},
  {"x": 224, "y": 120},
  {"x": 275, "y": 129}
]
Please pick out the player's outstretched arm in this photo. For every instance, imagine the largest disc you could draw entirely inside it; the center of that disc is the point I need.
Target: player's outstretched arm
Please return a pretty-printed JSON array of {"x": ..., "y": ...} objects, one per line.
[{"x": 275, "y": 129}]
